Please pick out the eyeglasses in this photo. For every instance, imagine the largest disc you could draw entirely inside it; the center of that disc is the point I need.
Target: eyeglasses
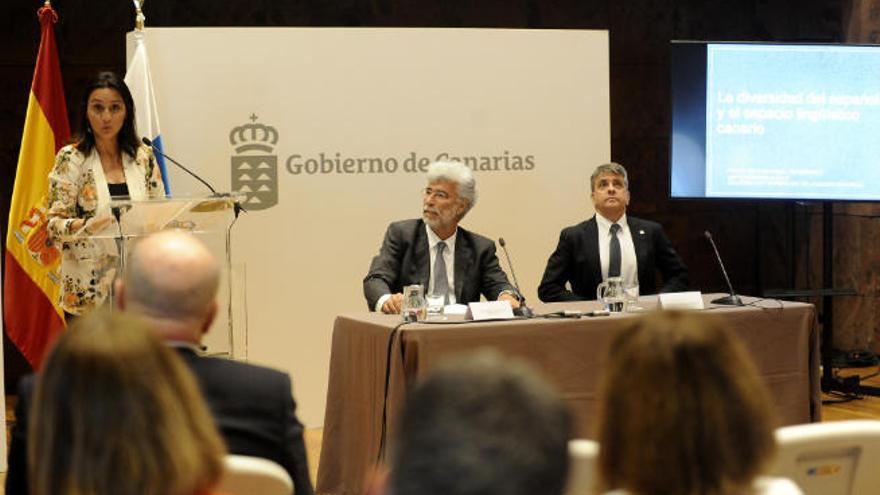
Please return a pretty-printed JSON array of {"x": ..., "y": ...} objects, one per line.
[{"x": 436, "y": 193}]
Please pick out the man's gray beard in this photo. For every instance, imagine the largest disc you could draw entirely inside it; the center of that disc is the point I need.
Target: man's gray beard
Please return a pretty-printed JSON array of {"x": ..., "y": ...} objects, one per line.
[{"x": 431, "y": 222}]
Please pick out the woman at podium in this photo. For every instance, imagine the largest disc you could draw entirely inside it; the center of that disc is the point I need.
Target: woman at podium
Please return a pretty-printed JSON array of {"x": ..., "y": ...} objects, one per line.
[{"x": 105, "y": 160}]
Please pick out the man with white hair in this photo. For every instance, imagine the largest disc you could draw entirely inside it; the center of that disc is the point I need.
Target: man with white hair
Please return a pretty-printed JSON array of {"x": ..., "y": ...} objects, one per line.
[{"x": 435, "y": 252}]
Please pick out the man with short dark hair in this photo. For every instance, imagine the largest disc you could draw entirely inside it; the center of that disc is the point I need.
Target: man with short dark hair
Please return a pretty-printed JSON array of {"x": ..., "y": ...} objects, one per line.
[
  {"x": 481, "y": 425},
  {"x": 611, "y": 244}
]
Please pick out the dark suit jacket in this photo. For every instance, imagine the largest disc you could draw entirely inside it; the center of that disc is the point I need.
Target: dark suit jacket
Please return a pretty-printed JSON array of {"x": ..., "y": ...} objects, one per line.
[
  {"x": 252, "y": 405},
  {"x": 404, "y": 259},
  {"x": 576, "y": 260}
]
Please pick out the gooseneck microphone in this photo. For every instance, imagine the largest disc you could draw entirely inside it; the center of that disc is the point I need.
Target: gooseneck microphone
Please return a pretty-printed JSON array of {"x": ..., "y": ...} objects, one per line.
[
  {"x": 524, "y": 309},
  {"x": 149, "y": 143},
  {"x": 732, "y": 299}
]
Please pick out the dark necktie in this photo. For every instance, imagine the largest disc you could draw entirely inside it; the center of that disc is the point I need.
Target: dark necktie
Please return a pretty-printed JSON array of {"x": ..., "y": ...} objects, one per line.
[
  {"x": 614, "y": 252},
  {"x": 441, "y": 284}
]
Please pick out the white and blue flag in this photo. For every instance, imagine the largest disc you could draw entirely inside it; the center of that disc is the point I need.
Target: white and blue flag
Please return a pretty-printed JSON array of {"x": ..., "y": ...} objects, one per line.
[{"x": 140, "y": 83}]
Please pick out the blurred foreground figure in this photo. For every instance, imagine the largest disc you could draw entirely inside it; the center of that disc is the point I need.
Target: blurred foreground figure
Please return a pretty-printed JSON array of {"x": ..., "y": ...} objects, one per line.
[
  {"x": 117, "y": 413},
  {"x": 684, "y": 412},
  {"x": 481, "y": 425}
]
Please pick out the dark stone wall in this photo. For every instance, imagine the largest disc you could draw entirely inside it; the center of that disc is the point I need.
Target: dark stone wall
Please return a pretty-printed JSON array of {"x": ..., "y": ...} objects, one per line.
[{"x": 765, "y": 244}]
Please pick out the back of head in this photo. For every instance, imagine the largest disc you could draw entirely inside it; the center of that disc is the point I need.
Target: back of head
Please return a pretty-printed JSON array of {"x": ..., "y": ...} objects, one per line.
[
  {"x": 683, "y": 410},
  {"x": 117, "y": 412},
  {"x": 481, "y": 425},
  {"x": 172, "y": 277}
]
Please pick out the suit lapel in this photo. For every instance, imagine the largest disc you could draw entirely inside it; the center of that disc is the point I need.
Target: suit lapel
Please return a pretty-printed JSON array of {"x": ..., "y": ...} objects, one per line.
[
  {"x": 421, "y": 257},
  {"x": 464, "y": 257},
  {"x": 591, "y": 231}
]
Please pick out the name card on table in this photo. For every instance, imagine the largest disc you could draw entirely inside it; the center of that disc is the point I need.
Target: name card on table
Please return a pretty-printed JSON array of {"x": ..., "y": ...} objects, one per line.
[
  {"x": 490, "y": 310},
  {"x": 682, "y": 300}
]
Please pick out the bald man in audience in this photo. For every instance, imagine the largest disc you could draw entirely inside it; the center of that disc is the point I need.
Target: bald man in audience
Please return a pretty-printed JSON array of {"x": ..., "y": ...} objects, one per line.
[
  {"x": 171, "y": 281},
  {"x": 479, "y": 424}
]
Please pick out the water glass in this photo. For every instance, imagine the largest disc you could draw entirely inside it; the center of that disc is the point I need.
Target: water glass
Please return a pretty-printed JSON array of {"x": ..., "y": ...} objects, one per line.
[
  {"x": 414, "y": 307},
  {"x": 631, "y": 298},
  {"x": 610, "y": 294},
  {"x": 435, "y": 304}
]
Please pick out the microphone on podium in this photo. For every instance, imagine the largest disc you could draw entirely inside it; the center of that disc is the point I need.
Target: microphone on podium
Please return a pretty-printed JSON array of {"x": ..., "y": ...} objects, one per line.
[
  {"x": 523, "y": 309},
  {"x": 732, "y": 299},
  {"x": 156, "y": 149}
]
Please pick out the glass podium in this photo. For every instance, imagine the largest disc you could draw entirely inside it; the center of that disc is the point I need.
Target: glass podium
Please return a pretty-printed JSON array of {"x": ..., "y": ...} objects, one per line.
[{"x": 210, "y": 218}]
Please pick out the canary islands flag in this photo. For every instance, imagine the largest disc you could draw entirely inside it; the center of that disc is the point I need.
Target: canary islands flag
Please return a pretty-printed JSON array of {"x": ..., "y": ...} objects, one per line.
[{"x": 140, "y": 83}]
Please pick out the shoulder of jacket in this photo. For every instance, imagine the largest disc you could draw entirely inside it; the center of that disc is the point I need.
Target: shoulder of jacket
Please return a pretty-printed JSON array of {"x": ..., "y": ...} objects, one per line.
[{"x": 71, "y": 154}]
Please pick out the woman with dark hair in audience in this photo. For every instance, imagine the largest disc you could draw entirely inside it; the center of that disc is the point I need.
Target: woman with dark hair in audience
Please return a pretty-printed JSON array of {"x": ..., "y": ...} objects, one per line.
[
  {"x": 117, "y": 413},
  {"x": 684, "y": 412},
  {"x": 107, "y": 159}
]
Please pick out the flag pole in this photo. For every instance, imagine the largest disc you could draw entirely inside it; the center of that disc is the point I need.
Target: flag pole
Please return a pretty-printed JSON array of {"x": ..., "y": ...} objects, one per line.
[{"x": 139, "y": 18}]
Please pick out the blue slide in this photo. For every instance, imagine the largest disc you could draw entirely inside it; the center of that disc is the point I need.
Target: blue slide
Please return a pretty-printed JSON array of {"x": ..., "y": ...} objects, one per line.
[{"x": 783, "y": 121}]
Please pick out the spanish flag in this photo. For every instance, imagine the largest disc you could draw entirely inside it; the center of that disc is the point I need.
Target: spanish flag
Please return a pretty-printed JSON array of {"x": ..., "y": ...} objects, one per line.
[{"x": 31, "y": 278}]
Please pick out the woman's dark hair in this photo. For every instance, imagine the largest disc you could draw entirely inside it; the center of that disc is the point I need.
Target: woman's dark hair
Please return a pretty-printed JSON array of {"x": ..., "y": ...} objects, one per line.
[{"x": 127, "y": 138}]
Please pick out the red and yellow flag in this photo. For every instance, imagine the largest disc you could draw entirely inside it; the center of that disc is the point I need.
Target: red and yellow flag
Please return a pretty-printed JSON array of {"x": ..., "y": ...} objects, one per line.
[{"x": 31, "y": 278}]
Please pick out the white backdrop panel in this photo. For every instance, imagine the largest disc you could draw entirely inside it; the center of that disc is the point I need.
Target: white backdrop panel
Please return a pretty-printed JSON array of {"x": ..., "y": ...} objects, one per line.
[{"x": 530, "y": 108}]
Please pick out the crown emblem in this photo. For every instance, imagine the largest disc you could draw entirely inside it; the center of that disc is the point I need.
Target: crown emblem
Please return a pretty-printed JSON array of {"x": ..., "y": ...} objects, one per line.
[
  {"x": 253, "y": 137},
  {"x": 255, "y": 174}
]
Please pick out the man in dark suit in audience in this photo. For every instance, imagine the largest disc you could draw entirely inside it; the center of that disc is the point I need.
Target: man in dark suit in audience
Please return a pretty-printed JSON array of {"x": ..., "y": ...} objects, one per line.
[
  {"x": 172, "y": 281},
  {"x": 479, "y": 424},
  {"x": 433, "y": 251},
  {"x": 611, "y": 244}
]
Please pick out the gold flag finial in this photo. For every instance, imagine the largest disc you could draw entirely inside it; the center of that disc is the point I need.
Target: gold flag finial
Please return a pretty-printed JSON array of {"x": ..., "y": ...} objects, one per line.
[
  {"x": 139, "y": 18},
  {"x": 47, "y": 3}
]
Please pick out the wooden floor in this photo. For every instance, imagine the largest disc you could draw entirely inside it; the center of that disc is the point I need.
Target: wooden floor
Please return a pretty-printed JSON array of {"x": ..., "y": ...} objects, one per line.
[
  {"x": 866, "y": 408},
  {"x": 835, "y": 410}
]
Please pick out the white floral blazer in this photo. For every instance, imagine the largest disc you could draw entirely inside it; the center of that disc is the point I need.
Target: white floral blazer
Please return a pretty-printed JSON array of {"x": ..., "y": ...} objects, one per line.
[{"x": 78, "y": 189}]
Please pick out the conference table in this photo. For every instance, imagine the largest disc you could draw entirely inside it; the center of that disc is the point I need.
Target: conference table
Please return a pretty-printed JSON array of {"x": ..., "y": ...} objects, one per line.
[{"x": 781, "y": 336}]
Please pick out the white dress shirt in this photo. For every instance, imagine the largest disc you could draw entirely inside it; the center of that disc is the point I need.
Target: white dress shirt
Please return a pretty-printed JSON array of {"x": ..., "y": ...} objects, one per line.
[
  {"x": 629, "y": 269},
  {"x": 448, "y": 256}
]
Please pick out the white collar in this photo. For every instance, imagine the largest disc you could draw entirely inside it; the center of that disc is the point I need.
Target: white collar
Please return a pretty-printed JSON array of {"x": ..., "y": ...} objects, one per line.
[
  {"x": 604, "y": 225},
  {"x": 434, "y": 239},
  {"x": 182, "y": 344}
]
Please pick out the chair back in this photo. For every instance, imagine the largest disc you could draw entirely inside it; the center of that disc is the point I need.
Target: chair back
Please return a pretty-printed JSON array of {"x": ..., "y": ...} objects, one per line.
[
  {"x": 834, "y": 458},
  {"x": 582, "y": 456},
  {"x": 245, "y": 475}
]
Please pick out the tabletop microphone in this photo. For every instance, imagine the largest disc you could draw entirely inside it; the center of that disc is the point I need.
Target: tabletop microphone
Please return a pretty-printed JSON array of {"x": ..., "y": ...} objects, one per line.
[
  {"x": 149, "y": 143},
  {"x": 524, "y": 309},
  {"x": 732, "y": 299}
]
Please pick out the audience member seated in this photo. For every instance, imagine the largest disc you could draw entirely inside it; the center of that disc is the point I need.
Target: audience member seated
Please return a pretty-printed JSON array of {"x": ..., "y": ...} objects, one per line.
[
  {"x": 684, "y": 412},
  {"x": 171, "y": 281},
  {"x": 480, "y": 425},
  {"x": 117, "y": 413}
]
